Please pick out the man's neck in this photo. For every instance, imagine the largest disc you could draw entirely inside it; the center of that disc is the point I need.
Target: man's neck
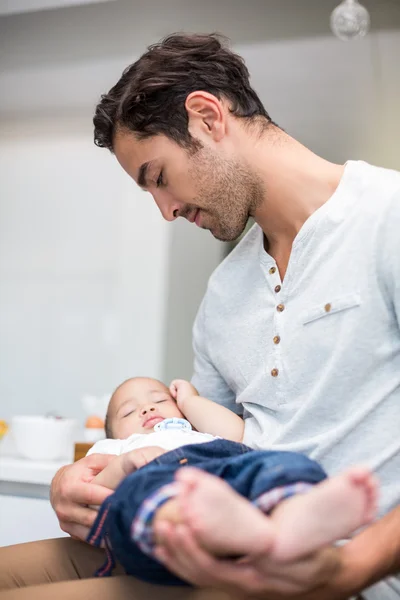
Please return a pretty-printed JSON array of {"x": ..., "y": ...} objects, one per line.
[{"x": 297, "y": 182}]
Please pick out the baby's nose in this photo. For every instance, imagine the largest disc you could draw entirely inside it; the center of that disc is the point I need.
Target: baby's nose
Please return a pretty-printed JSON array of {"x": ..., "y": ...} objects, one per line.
[{"x": 147, "y": 409}]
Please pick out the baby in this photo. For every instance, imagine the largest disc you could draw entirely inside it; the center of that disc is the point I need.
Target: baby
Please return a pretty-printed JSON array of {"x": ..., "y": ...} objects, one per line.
[{"x": 238, "y": 501}]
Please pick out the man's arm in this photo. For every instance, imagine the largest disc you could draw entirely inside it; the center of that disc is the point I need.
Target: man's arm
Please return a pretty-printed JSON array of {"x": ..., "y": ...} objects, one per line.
[
  {"x": 205, "y": 415},
  {"x": 368, "y": 558}
]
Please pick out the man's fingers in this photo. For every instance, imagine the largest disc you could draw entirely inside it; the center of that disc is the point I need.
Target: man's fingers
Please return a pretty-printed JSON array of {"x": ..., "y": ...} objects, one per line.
[
  {"x": 73, "y": 493},
  {"x": 181, "y": 553},
  {"x": 98, "y": 462},
  {"x": 316, "y": 568},
  {"x": 176, "y": 560},
  {"x": 90, "y": 493},
  {"x": 79, "y": 515},
  {"x": 76, "y": 531}
]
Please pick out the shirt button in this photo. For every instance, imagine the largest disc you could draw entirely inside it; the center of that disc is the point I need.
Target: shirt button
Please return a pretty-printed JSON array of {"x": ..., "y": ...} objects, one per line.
[
  {"x": 274, "y": 372},
  {"x": 328, "y": 307},
  {"x": 272, "y": 270},
  {"x": 278, "y": 288},
  {"x": 277, "y": 339},
  {"x": 280, "y": 307}
]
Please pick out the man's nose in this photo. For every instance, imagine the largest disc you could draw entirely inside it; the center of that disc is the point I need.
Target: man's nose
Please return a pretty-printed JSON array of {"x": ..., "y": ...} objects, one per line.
[{"x": 167, "y": 207}]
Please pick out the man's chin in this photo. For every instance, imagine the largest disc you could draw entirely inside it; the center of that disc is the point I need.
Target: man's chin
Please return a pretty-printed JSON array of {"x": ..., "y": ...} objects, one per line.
[{"x": 225, "y": 236}]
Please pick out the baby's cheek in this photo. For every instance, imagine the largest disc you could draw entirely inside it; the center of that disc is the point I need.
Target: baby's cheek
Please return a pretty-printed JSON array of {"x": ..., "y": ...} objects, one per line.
[
  {"x": 125, "y": 428},
  {"x": 116, "y": 432}
]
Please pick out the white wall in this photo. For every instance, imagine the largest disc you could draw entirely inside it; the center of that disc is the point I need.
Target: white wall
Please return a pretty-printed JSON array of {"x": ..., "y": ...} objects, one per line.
[
  {"x": 193, "y": 255},
  {"x": 340, "y": 99},
  {"x": 93, "y": 285},
  {"x": 82, "y": 269}
]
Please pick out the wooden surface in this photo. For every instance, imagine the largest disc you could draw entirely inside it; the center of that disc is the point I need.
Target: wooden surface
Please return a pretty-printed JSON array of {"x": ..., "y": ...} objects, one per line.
[{"x": 81, "y": 450}]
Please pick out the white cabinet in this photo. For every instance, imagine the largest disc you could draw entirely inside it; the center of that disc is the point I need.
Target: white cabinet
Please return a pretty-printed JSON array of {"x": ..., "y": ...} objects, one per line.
[
  {"x": 25, "y": 519},
  {"x": 25, "y": 510}
]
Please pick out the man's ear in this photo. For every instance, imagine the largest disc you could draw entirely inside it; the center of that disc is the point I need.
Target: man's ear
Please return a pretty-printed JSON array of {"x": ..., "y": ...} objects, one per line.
[{"x": 206, "y": 116}]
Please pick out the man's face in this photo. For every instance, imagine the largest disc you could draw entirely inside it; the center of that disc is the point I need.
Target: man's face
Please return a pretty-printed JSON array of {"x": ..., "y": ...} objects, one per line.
[{"x": 207, "y": 188}]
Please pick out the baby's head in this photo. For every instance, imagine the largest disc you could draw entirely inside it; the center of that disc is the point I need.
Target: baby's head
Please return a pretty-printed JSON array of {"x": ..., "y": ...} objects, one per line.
[{"x": 137, "y": 405}]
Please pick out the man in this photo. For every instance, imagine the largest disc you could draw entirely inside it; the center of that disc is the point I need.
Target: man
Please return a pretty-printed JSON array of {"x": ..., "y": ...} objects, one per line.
[{"x": 299, "y": 327}]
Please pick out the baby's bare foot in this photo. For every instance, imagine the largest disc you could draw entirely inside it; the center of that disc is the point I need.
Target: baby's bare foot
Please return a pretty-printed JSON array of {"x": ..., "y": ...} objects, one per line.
[
  {"x": 331, "y": 511},
  {"x": 223, "y": 522}
]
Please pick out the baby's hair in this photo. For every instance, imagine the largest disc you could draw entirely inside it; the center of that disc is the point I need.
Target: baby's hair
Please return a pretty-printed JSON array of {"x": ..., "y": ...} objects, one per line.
[{"x": 107, "y": 428}]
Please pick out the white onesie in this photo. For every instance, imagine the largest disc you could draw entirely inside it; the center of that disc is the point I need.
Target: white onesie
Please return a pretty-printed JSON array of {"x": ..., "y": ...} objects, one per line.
[{"x": 169, "y": 434}]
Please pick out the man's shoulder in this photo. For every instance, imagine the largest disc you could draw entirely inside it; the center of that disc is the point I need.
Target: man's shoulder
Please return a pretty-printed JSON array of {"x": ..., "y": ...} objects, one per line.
[
  {"x": 381, "y": 206},
  {"x": 379, "y": 185}
]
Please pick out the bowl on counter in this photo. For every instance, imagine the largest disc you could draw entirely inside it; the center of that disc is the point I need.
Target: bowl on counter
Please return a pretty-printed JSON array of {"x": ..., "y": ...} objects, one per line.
[
  {"x": 3, "y": 428},
  {"x": 43, "y": 438}
]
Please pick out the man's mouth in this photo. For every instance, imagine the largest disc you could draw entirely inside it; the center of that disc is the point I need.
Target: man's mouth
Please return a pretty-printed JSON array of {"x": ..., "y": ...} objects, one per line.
[{"x": 191, "y": 217}]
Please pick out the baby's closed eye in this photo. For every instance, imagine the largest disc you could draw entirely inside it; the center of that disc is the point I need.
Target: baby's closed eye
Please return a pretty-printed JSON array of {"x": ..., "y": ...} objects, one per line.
[{"x": 129, "y": 413}]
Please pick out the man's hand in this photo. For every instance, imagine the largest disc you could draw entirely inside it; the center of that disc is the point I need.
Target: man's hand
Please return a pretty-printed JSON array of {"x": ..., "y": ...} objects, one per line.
[
  {"x": 72, "y": 491},
  {"x": 331, "y": 574},
  {"x": 262, "y": 578},
  {"x": 180, "y": 390}
]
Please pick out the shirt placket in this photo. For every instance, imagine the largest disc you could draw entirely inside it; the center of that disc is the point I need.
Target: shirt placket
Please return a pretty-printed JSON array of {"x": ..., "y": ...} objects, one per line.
[{"x": 275, "y": 284}]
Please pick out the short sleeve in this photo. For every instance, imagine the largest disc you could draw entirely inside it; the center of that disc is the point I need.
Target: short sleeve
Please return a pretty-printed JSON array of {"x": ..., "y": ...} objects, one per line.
[{"x": 206, "y": 378}]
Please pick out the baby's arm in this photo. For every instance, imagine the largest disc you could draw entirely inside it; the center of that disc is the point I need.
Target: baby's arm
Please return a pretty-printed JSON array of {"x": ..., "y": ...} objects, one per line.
[
  {"x": 125, "y": 464},
  {"x": 205, "y": 415}
]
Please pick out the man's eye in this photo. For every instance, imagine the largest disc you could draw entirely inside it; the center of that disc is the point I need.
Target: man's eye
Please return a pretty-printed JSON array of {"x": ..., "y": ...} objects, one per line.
[{"x": 160, "y": 180}]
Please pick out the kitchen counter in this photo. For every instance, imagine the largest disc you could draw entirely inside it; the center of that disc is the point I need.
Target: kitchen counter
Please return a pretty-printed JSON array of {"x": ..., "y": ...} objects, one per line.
[
  {"x": 31, "y": 472},
  {"x": 33, "y": 476},
  {"x": 15, "y": 468}
]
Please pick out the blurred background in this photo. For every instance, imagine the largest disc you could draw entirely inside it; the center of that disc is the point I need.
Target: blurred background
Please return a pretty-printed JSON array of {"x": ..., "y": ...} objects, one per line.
[{"x": 94, "y": 286}]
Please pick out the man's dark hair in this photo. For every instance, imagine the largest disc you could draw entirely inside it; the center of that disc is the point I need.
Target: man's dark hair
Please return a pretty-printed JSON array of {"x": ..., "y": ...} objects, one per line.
[{"x": 149, "y": 98}]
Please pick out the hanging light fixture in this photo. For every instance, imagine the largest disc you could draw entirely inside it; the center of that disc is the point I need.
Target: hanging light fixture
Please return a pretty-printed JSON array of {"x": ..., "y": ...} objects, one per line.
[{"x": 350, "y": 20}]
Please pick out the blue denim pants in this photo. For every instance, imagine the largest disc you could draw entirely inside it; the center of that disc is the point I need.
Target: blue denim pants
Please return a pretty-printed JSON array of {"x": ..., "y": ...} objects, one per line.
[{"x": 125, "y": 518}]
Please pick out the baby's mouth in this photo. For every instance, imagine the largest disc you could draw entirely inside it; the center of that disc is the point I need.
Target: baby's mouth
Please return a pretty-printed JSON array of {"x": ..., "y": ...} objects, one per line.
[{"x": 151, "y": 421}]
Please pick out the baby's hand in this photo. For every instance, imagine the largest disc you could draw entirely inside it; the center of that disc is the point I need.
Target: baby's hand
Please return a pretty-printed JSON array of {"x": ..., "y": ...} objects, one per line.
[
  {"x": 180, "y": 390},
  {"x": 136, "y": 459}
]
